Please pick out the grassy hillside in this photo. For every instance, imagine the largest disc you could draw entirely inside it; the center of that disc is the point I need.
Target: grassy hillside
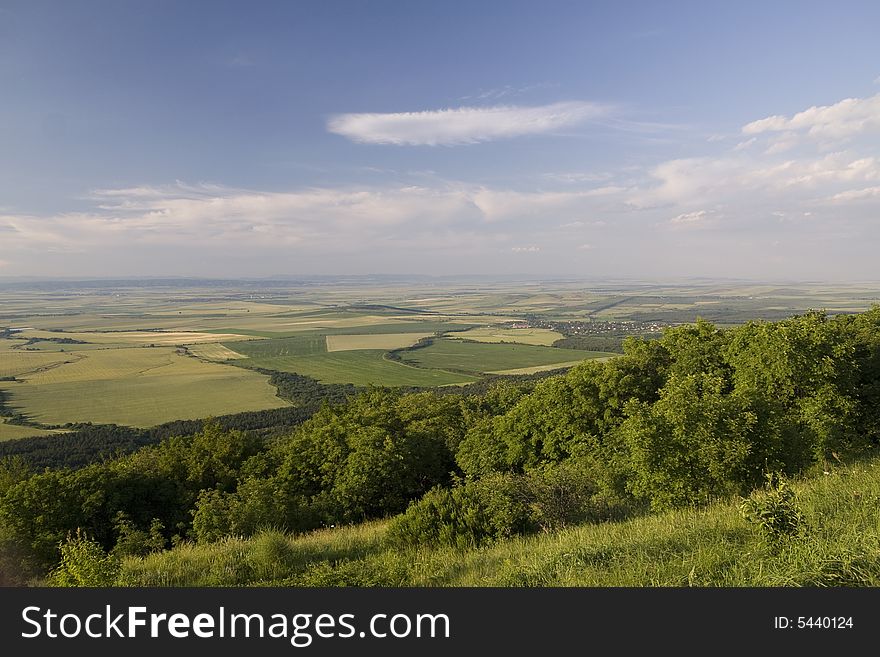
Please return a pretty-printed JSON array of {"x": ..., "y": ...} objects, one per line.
[{"x": 713, "y": 546}]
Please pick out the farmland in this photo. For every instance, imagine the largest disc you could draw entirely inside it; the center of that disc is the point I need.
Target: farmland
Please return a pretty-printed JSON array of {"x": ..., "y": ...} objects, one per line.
[
  {"x": 361, "y": 367},
  {"x": 536, "y": 336},
  {"x": 144, "y": 352},
  {"x": 381, "y": 341},
  {"x": 137, "y": 387},
  {"x": 492, "y": 357},
  {"x": 13, "y": 431}
]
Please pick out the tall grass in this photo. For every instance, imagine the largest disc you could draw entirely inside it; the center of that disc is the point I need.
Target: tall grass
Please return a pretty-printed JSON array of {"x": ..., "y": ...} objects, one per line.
[{"x": 712, "y": 546}]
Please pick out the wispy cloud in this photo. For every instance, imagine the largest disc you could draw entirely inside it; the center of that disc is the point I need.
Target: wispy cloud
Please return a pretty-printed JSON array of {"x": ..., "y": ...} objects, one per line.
[
  {"x": 525, "y": 249},
  {"x": 497, "y": 93},
  {"x": 463, "y": 125}
]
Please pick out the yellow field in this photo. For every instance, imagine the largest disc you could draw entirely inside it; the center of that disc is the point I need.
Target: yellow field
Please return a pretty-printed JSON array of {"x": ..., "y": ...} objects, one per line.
[
  {"x": 545, "y": 368},
  {"x": 215, "y": 352},
  {"x": 109, "y": 364},
  {"x": 383, "y": 341},
  {"x": 312, "y": 323},
  {"x": 543, "y": 337},
  {"x": 137, "y": 337}
]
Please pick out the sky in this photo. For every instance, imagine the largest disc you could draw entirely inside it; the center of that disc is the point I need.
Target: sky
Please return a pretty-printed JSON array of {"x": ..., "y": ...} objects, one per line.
[{"x": 582, "y": 139}]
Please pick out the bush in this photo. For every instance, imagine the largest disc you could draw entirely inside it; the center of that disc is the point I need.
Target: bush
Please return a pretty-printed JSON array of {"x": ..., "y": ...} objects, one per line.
[
  {"x": 564, "y": 494},
  {"x": 774, "y": 511},
  {"x": 84, "y": 563},
  {"x": 136, "y": 542},
  {"x": 469, "y": 514}
]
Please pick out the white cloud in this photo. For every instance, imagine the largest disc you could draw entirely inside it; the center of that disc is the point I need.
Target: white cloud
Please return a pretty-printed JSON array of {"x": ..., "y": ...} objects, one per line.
[
  {"x": 716, "y": 209},
  {"x": 207, "y": 217},
  {"x": 585, "y": 247},
  {"x": 689, "y": 218},
  {"x": 741, "y": 146},
  {"x": 502, "y": 204},
  {"x": 841, "y": 120},
  {"x": 750, "y": 179},
  {"x": 857, "y": 194},
  {"x": 781, "y": 144},
  {"x": 578, "y": 177},
  {"x": 463, "y": 125},
  {"x": 769, "y": 124}
]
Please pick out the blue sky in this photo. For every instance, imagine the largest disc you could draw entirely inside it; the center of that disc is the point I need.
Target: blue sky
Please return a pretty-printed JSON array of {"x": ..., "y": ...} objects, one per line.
[{"x": 625, "y": 139}]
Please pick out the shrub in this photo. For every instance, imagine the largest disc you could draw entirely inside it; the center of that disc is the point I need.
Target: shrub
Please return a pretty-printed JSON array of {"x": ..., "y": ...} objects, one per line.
[
  {"x": 84, "y": 563},
  {"x": 774, "y": 511},
  {"x": 136, "y": 542},
  {"x": 563, "y": 494},
  {"x": 469, "y": 514}
]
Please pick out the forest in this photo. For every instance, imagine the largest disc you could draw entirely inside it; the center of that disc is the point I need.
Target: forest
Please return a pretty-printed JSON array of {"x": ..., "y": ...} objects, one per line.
[{"x": 701, "y": 414}]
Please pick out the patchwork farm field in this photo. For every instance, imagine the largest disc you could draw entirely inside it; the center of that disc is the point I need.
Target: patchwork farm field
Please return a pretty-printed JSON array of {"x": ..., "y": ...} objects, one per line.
[{"x": 145, "y": 352}]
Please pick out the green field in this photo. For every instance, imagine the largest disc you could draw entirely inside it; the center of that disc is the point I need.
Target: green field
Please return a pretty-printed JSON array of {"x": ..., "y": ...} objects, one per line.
[
  {"x": 18, "y": 362},
  {"x": 139, "y": 386},
  {"x": 305, "y": 345},
  {"x": 13, "y": 431},
  {"x": 361, "y": 367},
  {"x": 487, "y": 357}
]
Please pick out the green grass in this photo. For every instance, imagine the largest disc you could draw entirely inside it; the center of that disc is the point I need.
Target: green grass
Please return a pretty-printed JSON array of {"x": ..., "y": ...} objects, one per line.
[
  {"x": 488, "y": 357},
  {"x": 361, "y": 367},
  {"x": 713, "y": 546},
  {"x": 265, "y": 558}
]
